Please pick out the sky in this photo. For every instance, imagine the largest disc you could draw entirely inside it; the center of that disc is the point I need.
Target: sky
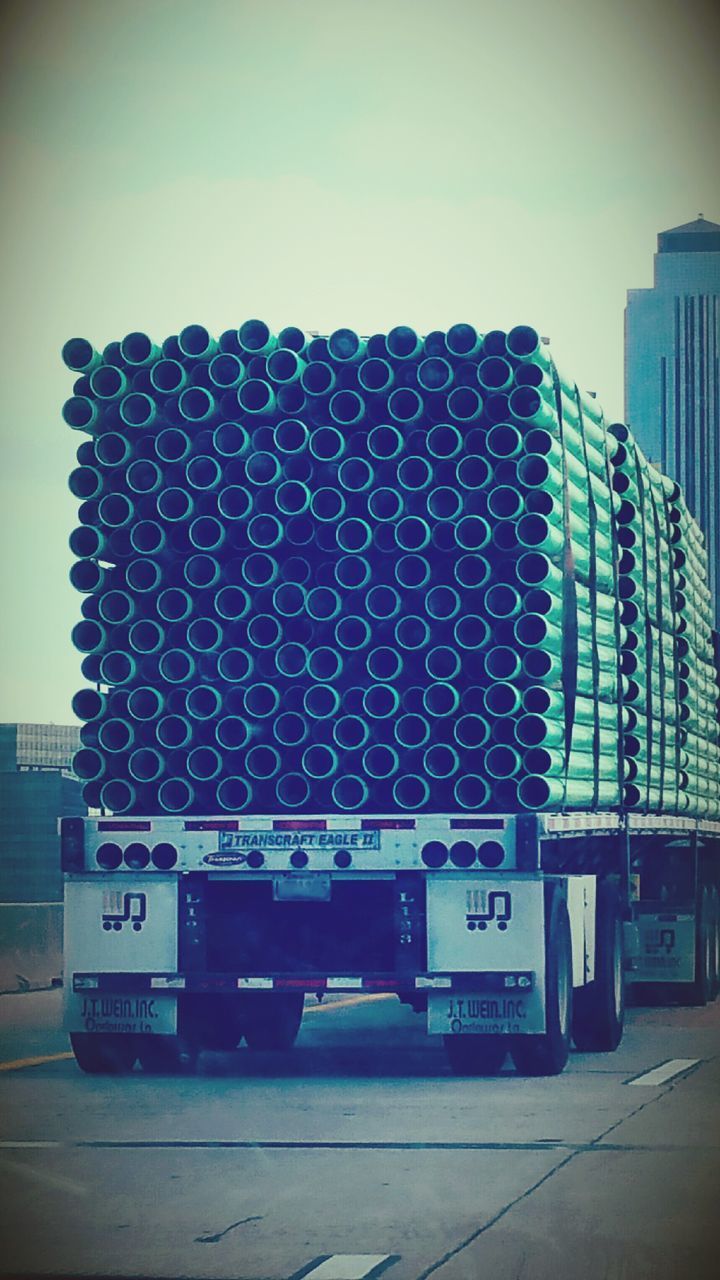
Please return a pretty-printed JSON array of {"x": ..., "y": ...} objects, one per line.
[{"x": 319, "y": 164}]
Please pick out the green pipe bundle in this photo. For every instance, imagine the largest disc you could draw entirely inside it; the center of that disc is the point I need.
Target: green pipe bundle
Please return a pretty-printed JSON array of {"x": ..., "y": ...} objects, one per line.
[{"x": 379, "y": 574}]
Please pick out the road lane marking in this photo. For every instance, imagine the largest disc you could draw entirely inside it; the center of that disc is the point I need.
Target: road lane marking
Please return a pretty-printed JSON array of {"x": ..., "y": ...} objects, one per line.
[
  {"x": 18, "y": 1063},
  {"x": 350, "y": 1266},
  {"x": 664, "y": 1071},
  {"x": 28, "y": 1146},
  {"x": 351, "y": 1000}
]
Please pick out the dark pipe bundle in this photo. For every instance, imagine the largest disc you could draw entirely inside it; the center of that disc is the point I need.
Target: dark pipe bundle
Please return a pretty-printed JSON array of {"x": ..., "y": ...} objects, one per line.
[{"x": 384, "y": 574}]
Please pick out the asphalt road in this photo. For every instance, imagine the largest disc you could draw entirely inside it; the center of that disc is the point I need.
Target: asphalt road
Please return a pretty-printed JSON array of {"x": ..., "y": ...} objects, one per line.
[{"x": 358, "y": 1154}]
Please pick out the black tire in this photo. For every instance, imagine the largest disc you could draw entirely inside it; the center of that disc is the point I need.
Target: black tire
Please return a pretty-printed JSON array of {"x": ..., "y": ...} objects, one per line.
[
  {"x": 166, "y": 1055},
  {"x": 699, "y": 991},
  {"x": 272, "y": 1019},
  {"x": 599, "y": 1007},
  {"x": 547, "y": 1054},
  {"x": 214, "y": 1021},
  {"x": 476, "y": 1055},
  {"x": 104, "y": 1055}
]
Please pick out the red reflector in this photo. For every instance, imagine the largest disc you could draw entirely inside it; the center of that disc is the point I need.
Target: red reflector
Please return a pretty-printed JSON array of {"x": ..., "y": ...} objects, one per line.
[
  {"x": 379, "y": 984},
  {"x": 388, "y": 824},
  {"x": 297, "y": 824},
  {"x": 477, "y": 824},
  {"x": 300, "y": 984},
  {"x": 218, "y": 824},
  {"x": 124, "y": 826}
]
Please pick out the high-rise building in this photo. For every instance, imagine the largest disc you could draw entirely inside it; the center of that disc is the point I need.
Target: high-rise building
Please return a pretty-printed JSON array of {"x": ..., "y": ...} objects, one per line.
[
  {"x": 672, "y": 378},
  {"x": 36, "y": 788}
]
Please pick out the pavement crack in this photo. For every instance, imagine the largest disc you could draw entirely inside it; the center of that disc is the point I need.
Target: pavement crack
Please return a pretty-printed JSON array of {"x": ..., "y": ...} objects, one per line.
[{"x": 219, "y": 1235}]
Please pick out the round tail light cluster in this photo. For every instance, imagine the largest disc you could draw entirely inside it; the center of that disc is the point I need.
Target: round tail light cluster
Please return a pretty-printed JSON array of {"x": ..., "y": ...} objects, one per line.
[
  {"x": 136, "y": 856},
  {"x": 462, "y": 853}
]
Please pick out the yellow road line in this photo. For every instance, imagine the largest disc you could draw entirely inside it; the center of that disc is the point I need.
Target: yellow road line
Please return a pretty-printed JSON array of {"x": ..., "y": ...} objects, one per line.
[
  {"x": 351, "y": 1000},
  {"x": 17, "y": 1063}
]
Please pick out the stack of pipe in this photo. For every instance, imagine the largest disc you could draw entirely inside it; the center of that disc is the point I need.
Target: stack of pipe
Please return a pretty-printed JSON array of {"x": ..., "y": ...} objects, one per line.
[{"x": 383, "y": 574}]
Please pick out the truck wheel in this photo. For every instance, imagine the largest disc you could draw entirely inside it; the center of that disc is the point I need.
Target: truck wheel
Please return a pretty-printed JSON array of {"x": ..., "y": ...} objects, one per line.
[
  {"x": 272, "y": 1020},
  {"x": 213, "y": 1021},
  {"x": 166, "y": 1055},
  {"x": 110, "y": 1055},
  {"x": 547, "y": 1054},
  {"x": 699, "y": 992},
  {"x": 476, "y": 1055},
  {"x": 599, "y": 1007}
]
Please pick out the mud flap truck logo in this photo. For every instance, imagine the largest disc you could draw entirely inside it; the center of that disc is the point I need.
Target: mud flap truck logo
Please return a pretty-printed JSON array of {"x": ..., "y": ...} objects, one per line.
[
  {"x": 120, "y": 909},
  {"x": 483, "y": 907}
]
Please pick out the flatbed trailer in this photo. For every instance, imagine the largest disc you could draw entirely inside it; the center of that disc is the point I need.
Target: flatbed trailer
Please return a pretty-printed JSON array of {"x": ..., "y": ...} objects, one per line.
[{"x": 513, "y": 933}]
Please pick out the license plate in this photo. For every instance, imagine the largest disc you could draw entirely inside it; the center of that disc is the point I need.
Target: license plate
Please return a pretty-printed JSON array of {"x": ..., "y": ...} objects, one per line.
[
  {"x": 103, "y": 1013},
  {"x": 296, "y": 888},
  {"x": 312, "y": 841},
  {"x": 488, "y": 1013}
]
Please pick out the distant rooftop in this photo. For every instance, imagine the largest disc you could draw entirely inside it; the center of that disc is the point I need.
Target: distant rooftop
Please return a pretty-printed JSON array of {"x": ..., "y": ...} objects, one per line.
[{"x": 700, "y": 236}]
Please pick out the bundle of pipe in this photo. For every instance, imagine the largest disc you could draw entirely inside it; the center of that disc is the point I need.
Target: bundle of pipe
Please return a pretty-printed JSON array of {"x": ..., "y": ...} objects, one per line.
[
  {"x": 394, "y": 573},
  {"x": 671, "y": 728}
]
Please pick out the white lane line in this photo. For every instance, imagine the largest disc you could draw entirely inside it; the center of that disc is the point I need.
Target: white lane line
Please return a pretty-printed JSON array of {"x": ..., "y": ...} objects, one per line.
[
  {"x": 665, "y": 1071},
  {"x": 348, "y": 1266},
  {"x": 7, "y": 1145}
]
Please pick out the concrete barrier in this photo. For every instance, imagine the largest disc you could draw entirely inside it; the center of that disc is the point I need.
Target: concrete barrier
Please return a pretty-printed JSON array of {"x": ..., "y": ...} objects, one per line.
[{"x": 31, "y": 938}]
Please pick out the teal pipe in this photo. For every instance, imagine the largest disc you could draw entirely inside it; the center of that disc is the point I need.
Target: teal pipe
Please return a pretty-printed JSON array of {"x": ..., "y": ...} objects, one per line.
[
  {"x": 354, "y": 535},
  {"x": 349, "y": 792},
  {"x": 471, "y": 731},
  {"x": 146, "y": 765},
  {"x": 234, "y": 502},
  {"x": 233, "y": 794},
  {"x": 116, "y": 607},
  {"x": 232, "y": 733},
  {"x": 318, "y": 378},
  {"x": 464, "y": 341},
  {"x": 412, "y": 571},
  {"x": 412, "y": 533},
  {"x": 442, "y": 603},
  {"x": 86, "y": 542},
  {"x": 284, "y": 365},
  {"x": 107, "y": 382},
  {"x": 440, "y": 761},
  {"x": 504, "y": 441},
  {"x": 323, "y": 604},
  {"x": 355, "y": 475},
  {"x": 230, "y": 440},
  {"x": 535, "y": 569},
  {"x": 380, "y": 701},
  {"x": 291, "y": 659},
  {"x": 411, "y": 791},
  {"x": 502, "y": 761},
  {"x": 523, "y": 343},
  {"x": 195, "y": 343},
  {"x": 346, "y": 347},
  {"x": 261, "y": 700},
  {"x": 321, "y": 701},
  {"x": 87, "y": 576},
  {"x": 88, "y": 764},
  {"x": 502, "y": 699},
  {"x": 327, "y": 504},
  {"x": 139, "y": 410},
  {"x": 112, "y": 449},
  {"x": 464, "y": 404},
  {"x": 168, "y": 377},
  {"x": 117, "y": 795},
  {"x": 472, "y": 571},
  {"x": 471, "y": 792},
  {"x": 528, "y": 406},
  {"x": 175, "y": 795},
  {"x": 352, "y": 632},
  {"x": 197, "y": 404},
  {"x": 145, "y": 703},
  {"x": 292, "y": 790},
  {"x": 412, "y": 730},
  {"x": 536, "y": 532},
  {"x": 352, "y": 572},
  {"x": 326, "y": 444},
  {"x": 435, "y": 374},
  {"x": 80, "y": 413},
  {"x": 289, "y": 599},
  {"x": 347, "y": 408},
  {"x": 533, "y": 630},
  {"x": 472, "y": 533},
  {"x": 173, "y": 732},
  {"x": 116, "y": 734},
  {"x": 380, "y": 761},
  {"x": 471, "y": 631},
  {"x": 505, "y": 502},
  {"x": 89, "y": 704},
  {"x": 117, "y": 667},
  {"x": 351, "y": 732},
  {"x": 265, "y": 531},
  {"x": 255, "y": 338},
  {"x": 402, "y": 343},
  {"x": 80, "y": 355},
  {"x": 89, "y": 636},
  {"x": 384, "y": 663},
  {"x": 376, "y": 376},
  {"x": 320, "y": 761},
  {"x": 444, "y": 441},
  {"x": 502, "y": 663},
  {"x": 440, "y": 699},
  {"x": 495, "y": 374},
  {"x": 412, "y": 632},
  {"x": 138, "y": 350},
  {"x": 385, "y": 504},
  {"x": 259, "y": 569},
  {"x": 405, "y": 405},
  {"x": 474, "y": 472},
  {"x": 146, "y": 636},
  {"x": 256, "y": 396},
  {"x": 176, "y": 666}
]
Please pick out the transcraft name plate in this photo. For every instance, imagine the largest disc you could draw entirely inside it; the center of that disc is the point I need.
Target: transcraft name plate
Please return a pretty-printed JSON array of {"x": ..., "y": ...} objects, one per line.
[{"x": 313, "y": 841}]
